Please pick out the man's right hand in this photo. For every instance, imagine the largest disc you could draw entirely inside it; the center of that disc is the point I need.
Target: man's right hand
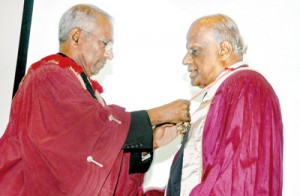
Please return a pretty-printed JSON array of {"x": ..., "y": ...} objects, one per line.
[{"x": 174, "y": 112}]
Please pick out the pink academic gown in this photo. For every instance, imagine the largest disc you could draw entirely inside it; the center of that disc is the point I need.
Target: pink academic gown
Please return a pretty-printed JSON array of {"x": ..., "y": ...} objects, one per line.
[
  {"x": 54, "y": 126},
  {"x": 242, "y": 141}
]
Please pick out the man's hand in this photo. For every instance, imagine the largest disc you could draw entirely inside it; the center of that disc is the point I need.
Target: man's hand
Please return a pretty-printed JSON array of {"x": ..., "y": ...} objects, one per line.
[
  {"x": 164, "y": 134},
  {"x": 173, "y": 113}
]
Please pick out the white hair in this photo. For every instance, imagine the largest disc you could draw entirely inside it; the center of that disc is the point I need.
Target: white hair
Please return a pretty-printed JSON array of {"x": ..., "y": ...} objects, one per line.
[
  {"x": 83, "y": 16},
  {"x": 225, "y": 29}
]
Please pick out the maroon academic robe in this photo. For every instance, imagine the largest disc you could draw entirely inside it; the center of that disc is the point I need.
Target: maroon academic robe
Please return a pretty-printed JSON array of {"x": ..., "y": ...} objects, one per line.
[
  {"x": 242, "y": 141},
  {"x": 54, "y": 126}
]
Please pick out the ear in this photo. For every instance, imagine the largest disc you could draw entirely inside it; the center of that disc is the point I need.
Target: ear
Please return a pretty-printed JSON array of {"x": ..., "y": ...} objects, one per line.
[
  {"x": 74, "y": 37},
  {"x": 225, "y": 50}
]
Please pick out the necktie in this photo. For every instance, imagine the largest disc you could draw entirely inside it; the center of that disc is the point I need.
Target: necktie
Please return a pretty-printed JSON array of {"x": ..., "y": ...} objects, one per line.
[{"x": 173, "y": 187}]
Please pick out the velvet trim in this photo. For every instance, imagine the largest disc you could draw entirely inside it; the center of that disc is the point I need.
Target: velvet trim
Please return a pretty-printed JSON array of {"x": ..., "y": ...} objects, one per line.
[{"x": 64, "y": 61}]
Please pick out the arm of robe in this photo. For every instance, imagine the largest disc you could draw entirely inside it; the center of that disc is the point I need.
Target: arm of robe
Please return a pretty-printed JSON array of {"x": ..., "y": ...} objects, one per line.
[
  {"x": 243, "y": 139},
  {"x": 139, "y": 139}
]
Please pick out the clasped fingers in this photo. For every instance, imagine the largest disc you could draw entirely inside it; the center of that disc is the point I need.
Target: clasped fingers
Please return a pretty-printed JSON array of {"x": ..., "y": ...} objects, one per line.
[{"x": 182, "y": 112}]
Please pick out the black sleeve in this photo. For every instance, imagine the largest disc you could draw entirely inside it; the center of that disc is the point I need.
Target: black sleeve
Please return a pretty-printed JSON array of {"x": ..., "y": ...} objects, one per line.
[{"x": 139, "y": 139}]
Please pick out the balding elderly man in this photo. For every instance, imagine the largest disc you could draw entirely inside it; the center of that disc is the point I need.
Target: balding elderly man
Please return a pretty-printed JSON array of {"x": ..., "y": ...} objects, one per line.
[{"x": 235, "y": 142}]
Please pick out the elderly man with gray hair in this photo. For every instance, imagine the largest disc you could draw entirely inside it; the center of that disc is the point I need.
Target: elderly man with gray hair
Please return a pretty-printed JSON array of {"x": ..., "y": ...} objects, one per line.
[
  {"x": 235, "y": 142},
  {"x": 62, "y": 137}
]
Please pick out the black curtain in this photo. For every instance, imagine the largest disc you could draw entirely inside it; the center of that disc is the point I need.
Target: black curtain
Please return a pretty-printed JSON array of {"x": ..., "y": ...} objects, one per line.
[{"x": 23, "y": 44}]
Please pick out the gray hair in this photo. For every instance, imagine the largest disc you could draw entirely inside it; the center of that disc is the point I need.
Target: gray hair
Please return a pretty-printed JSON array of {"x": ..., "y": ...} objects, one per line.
[
  {"x": 83, "y": 16},
  {"x": 225, "y": 29}
]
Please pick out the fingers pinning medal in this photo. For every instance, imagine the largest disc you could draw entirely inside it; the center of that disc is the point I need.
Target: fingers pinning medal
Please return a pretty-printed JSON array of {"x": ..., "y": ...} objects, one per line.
[{"x": 182, "y": 128}]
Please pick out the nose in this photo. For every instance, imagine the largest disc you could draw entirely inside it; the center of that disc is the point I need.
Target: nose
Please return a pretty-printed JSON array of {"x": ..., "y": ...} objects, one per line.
[
  {"x": 109, "y": 54},
  {"x": 187, "y": 60}
]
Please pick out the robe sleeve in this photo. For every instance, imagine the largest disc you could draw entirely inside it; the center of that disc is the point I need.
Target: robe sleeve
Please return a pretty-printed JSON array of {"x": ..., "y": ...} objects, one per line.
[
  {"x": 139, "y": 139},
  {"x": 243, "y": 139}
]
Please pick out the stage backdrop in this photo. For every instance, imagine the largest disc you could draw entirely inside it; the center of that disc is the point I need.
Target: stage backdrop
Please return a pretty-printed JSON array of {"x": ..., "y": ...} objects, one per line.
[{"x": 150, "y": 41}]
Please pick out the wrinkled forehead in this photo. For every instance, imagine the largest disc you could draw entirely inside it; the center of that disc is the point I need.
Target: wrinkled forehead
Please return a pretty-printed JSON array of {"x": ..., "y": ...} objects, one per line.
[{"x": 198, "y": 34}]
